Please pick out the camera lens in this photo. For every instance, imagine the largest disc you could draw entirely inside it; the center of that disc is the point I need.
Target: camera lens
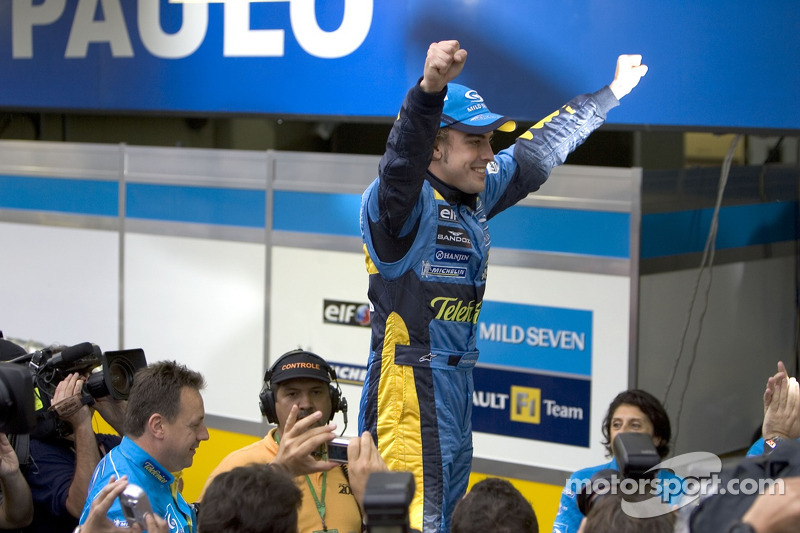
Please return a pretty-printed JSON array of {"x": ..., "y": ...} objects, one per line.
[{"x": 121, "y": 372}]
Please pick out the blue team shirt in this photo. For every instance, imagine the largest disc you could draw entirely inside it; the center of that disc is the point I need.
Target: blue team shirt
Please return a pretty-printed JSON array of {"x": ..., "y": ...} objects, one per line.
[{"x": 128, "y": 459}]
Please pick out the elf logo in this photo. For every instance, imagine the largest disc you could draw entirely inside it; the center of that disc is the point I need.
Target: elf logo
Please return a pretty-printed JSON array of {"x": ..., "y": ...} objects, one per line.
[
  {"x": 346, "y": 313},
  {"x": 447, "y": 214}
]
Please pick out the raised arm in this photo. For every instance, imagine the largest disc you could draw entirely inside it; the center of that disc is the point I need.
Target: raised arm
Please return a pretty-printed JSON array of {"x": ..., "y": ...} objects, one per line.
[
  {"x": 629, "y": 71},
  {"x": 443, "y": 64}
]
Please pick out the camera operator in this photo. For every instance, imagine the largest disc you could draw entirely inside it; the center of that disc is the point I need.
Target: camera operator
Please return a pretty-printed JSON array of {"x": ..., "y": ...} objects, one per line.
[
  {"x": 298, "y": 396},
  {"x": 62, "y": 465}
]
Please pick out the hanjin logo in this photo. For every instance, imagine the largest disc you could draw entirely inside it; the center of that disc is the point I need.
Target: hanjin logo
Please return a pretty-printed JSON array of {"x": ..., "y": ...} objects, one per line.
[
  {"x": 452, "y": 237},
  {"x": 449, "y": 256}
]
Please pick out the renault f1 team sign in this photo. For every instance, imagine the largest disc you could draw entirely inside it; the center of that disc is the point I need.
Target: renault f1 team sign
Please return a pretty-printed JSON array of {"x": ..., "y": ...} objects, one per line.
[
  {"x": 357, "y": 58},
  {"x": 550, "y": 400}
]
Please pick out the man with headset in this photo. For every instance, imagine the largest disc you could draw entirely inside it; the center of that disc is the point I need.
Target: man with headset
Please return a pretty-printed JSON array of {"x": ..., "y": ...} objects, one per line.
[{"x": 300, "y": 399}]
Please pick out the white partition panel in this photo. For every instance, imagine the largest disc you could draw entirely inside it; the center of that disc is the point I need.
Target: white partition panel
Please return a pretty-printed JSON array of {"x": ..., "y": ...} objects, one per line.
[
  {"x": 59, "y": 285},
  {"x": 200, "y": 302},
  {"x": 302, "y": 282}
]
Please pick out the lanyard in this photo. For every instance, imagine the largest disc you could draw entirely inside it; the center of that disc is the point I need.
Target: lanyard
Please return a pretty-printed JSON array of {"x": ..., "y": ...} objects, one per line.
[{"x": 320, "y": 504}]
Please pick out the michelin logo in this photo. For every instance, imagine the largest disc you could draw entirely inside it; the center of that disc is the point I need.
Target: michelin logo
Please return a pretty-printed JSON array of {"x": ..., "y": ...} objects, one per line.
[
  {"x": 444, "y": 271},
  {"x": 350, "y": 374}
]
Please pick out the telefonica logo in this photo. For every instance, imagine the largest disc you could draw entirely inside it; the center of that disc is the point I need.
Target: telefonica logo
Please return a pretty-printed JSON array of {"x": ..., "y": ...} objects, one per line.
[
  {"x": 155, "y": 472},
  {"x": 455, "y": 310}
]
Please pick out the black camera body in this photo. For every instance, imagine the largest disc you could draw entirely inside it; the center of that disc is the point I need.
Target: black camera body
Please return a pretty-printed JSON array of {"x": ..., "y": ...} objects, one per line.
[
  {"x": 110, "y": 374},
  {"x": 636, "y": 456},
  {"x": 386, "y": 501},
  {"x": 17, "y": 404}
]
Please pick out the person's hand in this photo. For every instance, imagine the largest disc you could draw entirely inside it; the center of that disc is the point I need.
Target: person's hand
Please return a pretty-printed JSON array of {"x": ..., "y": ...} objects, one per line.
[
  {"x": 363, "y": 459},
  {"x": 155, "y": 524},
  {"x": 781, "y": 406},
  {"x": 444, "y": 62},
  {"x": 9, "y": 463},
  {"x": 98, "y": 522},
  {"x": 69, "y": 389},
  {"x": 299, "y": 440},
  {"x": 629, "y": 71},
  {"x": 776, "y": 513}
]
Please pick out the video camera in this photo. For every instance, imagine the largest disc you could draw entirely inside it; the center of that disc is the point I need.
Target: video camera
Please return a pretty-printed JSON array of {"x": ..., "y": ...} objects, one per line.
[{"x": 110, "y": 374}]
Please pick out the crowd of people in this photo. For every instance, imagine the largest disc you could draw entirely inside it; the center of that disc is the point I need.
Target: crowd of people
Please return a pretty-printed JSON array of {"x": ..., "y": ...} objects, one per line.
[
  {"x": 287, "y": 482},
  {"x": 423, "y": 220}
]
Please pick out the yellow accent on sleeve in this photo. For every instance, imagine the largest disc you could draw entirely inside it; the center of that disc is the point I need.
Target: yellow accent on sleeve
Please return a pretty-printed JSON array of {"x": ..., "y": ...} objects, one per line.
[
  {"x": 539, "y": 125},
  {"x": 371, "y": 268}
]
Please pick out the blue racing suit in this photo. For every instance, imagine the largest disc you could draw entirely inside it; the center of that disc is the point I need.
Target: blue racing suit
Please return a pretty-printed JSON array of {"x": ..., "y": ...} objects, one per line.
[
  {"x": 427, "y": 250},
  {"x": 128, "y": 459}
]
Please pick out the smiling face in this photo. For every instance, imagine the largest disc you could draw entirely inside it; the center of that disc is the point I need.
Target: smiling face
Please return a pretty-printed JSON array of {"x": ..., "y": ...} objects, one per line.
[
  {"x": 310, "y": 395},
  {"x": 182, "y": 436},
  {"x": 460, "y": 159}
]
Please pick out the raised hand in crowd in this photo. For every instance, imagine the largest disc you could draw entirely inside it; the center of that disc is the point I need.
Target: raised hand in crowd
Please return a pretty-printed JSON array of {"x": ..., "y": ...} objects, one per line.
[
  {"x": 781, "y": 406},
  {"x": 98, "y": 522},
  {"x": 300, "y": 439}
]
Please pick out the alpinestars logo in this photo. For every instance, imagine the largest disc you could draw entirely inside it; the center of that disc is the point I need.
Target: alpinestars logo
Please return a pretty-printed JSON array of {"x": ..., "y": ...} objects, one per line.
[{"x": 452, "y": 237}]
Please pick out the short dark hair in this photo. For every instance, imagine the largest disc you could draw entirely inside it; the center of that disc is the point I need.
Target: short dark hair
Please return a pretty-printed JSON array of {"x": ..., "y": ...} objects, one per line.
[
  {"x": 256, "y": 498},
  {"x": 157, "y": 389},
  {"x": 651, "y": 407},
  {"x": 495, "y": 505},
  {"x": 606, "y": 515}
]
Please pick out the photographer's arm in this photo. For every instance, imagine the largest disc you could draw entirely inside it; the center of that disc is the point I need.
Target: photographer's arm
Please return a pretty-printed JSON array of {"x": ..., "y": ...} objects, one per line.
[
  {"x": 86, "y": 453},
  {"x": 112, "y": 411},
  {"x": 363, "y": 459},
  {"x": 776, "y": 513},
  {"x": 16, "y": 507}
]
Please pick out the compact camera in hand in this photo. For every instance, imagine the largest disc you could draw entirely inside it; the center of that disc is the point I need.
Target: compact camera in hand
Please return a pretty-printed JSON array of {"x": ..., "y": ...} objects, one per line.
[
  {"x": 337, "y": 449},
  {"x": 135, "y": 505}
]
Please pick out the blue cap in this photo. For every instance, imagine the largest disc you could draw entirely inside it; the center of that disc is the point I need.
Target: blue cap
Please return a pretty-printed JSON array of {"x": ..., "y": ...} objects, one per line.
[{"x": 465, "y": 110}]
